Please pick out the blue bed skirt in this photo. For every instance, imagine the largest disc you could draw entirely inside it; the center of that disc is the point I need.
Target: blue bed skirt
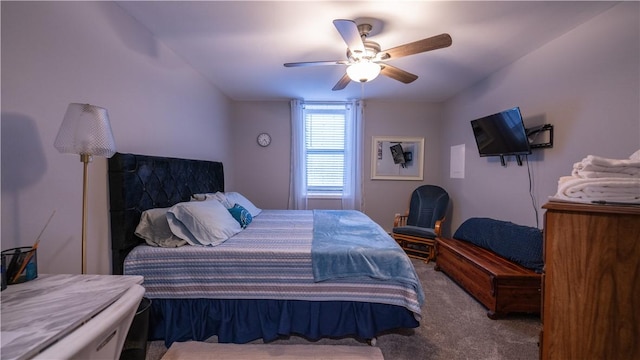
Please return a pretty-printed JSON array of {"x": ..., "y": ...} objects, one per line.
[{"x": 241, "y": 321}]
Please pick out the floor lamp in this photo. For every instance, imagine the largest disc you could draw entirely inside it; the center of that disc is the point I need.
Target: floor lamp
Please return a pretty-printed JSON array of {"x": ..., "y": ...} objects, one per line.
[{"x": 85, "y": 131}]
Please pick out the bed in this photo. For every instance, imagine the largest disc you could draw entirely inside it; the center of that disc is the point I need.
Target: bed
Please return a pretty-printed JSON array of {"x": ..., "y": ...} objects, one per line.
[{"x": 274, "y": 278}]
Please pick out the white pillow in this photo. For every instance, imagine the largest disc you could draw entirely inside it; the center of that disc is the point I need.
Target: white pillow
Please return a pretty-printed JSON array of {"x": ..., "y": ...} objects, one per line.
[
  {"x": 213, "y": 196},
  {"x": 154, "y": 229},
  {"x": 222, "y": 198},
  {"x": 198, "y": 197},
  {"x": 237, "y": 198},
  {"x": 202, "y": 222},
  {"x": 229, "y": 199}
]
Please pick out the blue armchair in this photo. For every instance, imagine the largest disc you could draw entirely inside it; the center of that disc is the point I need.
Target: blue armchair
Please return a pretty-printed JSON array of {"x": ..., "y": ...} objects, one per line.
[{"x": 416, "y": 231}]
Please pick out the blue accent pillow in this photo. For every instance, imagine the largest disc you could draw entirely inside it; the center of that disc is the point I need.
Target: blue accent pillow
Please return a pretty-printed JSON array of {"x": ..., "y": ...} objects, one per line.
[
  {"x": 242, "y": 215},
  {"x": 518, "y": 243}
]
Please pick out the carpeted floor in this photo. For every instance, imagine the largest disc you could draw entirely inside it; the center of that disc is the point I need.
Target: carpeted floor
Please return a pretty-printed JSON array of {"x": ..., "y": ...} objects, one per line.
[{"x": 454, "y": 326}]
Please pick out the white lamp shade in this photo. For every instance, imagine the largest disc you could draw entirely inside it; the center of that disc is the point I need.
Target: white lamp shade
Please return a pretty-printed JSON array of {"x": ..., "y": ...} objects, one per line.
[
  {"x": 363, "y": 71},
  {"x": 85, "y": 130}
]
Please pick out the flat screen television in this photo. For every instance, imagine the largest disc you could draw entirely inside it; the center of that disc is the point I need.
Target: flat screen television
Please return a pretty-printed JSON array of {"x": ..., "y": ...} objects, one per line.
[{"x": 501, "y": 134}]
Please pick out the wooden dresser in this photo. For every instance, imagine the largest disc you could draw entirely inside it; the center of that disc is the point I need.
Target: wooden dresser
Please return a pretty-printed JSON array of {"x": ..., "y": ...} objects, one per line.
[{"x": 591, "y": 284}]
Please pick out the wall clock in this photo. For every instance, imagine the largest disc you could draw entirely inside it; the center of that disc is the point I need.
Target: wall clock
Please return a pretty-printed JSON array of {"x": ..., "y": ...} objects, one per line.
[{"x": 264, "y": 139}]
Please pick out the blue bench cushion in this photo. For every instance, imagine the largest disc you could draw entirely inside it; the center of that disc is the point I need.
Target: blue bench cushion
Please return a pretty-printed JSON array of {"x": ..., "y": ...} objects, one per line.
[{"x": 518, "y": 243}]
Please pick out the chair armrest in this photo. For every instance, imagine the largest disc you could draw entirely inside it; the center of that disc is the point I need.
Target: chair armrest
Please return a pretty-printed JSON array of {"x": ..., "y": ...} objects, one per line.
[
  {"x": 400, "y": 220},
  {"x": 438, "y": 227}
]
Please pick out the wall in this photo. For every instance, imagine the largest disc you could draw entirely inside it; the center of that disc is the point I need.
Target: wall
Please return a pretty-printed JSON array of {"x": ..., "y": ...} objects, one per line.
[
  {"x": 585, "y": 83},
  {"x": 55, "y": 53},
  {"x": 384, "y": 198},
  {"x": 262, "y": 174}
]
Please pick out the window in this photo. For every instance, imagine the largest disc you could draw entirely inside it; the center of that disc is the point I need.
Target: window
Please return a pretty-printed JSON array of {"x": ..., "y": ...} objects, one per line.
[
  {"x": 324, "y": 142},
  {"x": 326, "y": 153}
]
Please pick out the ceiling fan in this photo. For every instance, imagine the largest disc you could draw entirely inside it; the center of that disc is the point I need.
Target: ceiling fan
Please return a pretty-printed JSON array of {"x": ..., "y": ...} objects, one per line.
[{"x": 365, "y": 60}]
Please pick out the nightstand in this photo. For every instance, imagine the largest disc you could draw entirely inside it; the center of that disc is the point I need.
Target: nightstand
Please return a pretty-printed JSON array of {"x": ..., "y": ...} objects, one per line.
[{"x": 68, "y": 316}]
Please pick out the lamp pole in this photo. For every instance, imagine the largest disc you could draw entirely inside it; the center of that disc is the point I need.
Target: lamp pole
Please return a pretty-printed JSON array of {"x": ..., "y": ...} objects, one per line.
[{"x": 85, "y": 158}]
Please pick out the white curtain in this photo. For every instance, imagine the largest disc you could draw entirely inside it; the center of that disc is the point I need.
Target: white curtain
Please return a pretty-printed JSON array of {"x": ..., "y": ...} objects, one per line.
[
  {"x": 298, "y": 171},
  {"x": 354, "y": 147}
]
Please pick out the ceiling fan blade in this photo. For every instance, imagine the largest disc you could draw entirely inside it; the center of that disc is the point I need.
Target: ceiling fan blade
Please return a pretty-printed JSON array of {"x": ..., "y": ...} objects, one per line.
[
  {"x": 397, "y": 74},
  {"x": 416, "y": 47},
  {"x": 350, "y": 34},
  {"x": 342, "y": 83},
  {"x": 316, "y": 63}
]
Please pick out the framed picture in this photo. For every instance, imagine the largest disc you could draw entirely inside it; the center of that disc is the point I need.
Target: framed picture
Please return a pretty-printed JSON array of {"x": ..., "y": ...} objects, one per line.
[{"x": 397, "y": 158}]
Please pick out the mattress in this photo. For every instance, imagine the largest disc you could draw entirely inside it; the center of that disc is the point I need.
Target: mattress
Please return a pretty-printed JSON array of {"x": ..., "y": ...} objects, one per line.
[{"x": 270, "y": 259}]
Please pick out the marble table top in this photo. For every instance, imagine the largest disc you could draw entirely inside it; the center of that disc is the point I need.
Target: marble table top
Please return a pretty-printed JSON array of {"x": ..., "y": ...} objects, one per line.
[{"x": 41, "y": 311}]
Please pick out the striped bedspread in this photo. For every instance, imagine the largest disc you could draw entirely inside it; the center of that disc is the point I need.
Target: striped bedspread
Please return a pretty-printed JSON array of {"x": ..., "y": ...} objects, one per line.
[{"x": 270, "y": 259}]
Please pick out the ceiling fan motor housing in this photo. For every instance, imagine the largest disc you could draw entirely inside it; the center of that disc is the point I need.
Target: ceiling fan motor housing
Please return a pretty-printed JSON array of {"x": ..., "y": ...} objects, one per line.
[
  {"x": 371, "y": 49},
  {"x": 364, "y": 30}
]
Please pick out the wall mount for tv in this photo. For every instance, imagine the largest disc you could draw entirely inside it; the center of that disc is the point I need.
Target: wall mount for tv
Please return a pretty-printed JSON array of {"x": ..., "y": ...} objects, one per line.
[{"x": 533, "y": 135}]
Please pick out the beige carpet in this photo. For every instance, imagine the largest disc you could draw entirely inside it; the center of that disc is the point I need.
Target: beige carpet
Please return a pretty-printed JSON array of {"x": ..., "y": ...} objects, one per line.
[{"x": 194, "y": 350}]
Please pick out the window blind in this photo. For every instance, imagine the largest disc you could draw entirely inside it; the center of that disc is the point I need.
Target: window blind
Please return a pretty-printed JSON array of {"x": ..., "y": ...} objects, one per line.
[{"x": 324, "y": 143}]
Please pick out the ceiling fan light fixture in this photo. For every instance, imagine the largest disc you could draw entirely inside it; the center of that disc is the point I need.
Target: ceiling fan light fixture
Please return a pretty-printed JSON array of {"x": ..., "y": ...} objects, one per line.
[{"x": 363, "y": 71}]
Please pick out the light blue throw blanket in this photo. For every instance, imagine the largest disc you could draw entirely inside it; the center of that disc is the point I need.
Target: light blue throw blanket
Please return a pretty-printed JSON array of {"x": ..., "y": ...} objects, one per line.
[{"x": 347, "y": 243}]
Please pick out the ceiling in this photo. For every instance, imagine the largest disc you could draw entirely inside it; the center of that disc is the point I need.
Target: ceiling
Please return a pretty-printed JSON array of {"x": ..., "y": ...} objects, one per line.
[{"x": 241, "y": 46}]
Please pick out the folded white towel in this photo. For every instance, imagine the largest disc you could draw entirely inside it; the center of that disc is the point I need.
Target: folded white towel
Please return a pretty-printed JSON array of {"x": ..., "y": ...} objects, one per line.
[
  {"x": 600, "y": 172},
  {"x": 601, "y": 161},
  {"x": 592, "y": 166},
  {"x": 600, "y": 189}
]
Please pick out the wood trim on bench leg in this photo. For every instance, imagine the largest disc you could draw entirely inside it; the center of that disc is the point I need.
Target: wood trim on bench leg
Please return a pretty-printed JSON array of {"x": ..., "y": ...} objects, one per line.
[
  {"x": 493, "y": 285},
  {"x": 493, "y": 316}
]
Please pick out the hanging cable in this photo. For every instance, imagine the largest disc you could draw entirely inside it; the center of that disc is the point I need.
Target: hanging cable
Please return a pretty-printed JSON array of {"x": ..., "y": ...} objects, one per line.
[{"x": 533, "y": 199}]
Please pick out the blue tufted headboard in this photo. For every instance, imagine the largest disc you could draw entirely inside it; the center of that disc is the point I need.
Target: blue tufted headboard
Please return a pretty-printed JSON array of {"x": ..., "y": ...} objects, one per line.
[{"x": 141, "y": 182}]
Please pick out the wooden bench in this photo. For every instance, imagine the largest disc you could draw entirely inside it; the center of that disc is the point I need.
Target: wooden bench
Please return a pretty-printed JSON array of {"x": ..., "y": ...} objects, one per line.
[{"x": 499, "y": 284}]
